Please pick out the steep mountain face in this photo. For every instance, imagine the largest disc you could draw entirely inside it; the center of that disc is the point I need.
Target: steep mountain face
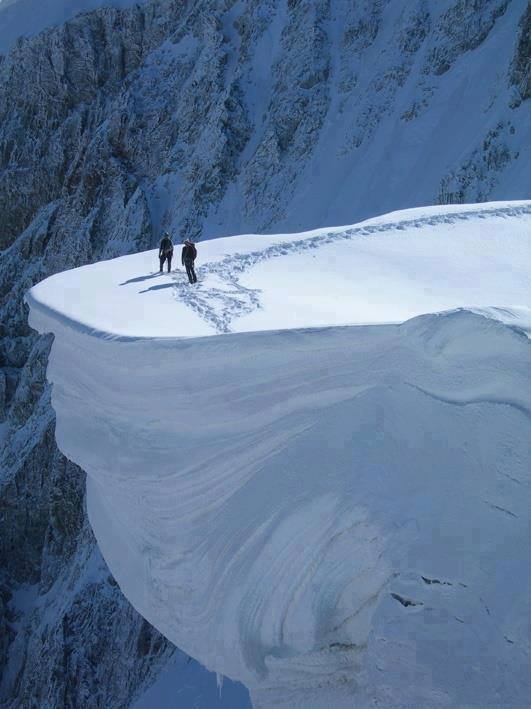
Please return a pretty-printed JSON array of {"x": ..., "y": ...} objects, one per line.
[
  {"x": 27, "y": 18},
  {"x": 207, "y": 118}
]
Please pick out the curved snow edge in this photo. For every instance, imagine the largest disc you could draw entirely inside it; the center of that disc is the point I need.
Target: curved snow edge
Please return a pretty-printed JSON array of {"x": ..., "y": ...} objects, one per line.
[
  {"x": 45, "y": 319},
  {"x": 234, "y": 295}
]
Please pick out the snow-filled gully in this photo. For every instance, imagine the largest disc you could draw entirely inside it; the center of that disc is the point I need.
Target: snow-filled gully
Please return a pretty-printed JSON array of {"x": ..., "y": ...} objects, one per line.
[{"x": 335, "y": 516}]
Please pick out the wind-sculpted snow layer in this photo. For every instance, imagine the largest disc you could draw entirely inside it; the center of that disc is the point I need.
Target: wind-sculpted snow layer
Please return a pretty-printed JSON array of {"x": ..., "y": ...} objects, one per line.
[{"x": 335, "y": 516}]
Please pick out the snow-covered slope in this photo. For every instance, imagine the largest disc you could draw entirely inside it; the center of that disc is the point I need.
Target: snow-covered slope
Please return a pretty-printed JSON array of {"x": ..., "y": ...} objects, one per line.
[{"x": 333, "y": 515}]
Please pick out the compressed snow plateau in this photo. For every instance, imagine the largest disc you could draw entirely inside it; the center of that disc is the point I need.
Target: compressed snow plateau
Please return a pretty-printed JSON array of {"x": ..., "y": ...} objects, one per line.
[{"x": 312, "y": 470}]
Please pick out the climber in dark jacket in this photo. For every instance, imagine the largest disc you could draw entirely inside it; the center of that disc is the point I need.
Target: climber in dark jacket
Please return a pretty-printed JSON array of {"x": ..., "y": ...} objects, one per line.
[
  {"x": 165, "y": 251},
  {"x": 188, "y": 257}
]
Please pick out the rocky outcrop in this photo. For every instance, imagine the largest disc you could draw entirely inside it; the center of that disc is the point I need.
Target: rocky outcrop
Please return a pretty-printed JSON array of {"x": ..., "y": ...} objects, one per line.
[
  {"x": 460, "y": 29},
  {"x": 207, "y": 118},
  {"x": 81, "y": 645},
  {"x": 521, "y": 64},
  {"x": 477, "y": 176}
]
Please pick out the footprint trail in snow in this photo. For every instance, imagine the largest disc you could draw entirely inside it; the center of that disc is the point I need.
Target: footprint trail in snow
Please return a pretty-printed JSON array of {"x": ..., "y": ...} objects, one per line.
[{"x": 219, "y": 297}]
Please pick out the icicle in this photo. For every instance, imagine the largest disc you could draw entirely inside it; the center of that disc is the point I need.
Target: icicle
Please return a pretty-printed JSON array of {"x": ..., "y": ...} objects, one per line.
[{"x": 219, "y": 682}]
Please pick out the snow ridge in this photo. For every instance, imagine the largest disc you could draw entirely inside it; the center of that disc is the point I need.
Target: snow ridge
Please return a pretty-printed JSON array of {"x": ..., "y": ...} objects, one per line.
[
  {"x": 220, "y": 305},
  {"x": 328, "y": 515}
]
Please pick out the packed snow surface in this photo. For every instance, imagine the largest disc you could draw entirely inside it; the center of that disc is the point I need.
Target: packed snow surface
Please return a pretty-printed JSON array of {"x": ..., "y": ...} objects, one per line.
[
  {"x": 386, "y": 269},
  {"x": 336, "y": 516}
]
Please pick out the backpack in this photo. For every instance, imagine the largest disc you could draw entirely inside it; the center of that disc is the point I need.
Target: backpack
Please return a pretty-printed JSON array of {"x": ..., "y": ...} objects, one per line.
[{"x": 166, "y": 246}]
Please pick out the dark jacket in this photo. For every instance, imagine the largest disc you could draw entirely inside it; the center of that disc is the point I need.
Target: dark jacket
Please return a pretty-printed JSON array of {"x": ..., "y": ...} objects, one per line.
[
  {"x": 189, "y": 253},
  {"x": 166, "y": 247}
]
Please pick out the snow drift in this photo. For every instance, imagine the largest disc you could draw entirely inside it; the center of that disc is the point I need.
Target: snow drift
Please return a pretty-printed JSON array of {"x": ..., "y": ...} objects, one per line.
[{"x": 331, "y": 515}]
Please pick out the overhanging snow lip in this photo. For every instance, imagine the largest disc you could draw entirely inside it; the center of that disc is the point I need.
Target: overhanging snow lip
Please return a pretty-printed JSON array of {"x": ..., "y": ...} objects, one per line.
[
  {"x": 66, "y": 321},
  {"x": 104, "y": 335},
  {"x": 53, "y": 314}
]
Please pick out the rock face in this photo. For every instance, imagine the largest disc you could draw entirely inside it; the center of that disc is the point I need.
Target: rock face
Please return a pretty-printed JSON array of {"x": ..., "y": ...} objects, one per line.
[
  {"x": 206, "y": 118},
  {"x": 27, "y": 18}
]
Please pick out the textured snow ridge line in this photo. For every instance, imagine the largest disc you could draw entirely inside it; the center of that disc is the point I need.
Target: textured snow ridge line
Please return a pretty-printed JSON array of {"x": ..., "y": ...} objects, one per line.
[{"x": 219, "y": 306}]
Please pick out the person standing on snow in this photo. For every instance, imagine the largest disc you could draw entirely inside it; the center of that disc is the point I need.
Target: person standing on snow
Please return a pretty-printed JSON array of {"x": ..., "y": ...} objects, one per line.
[
  {"x": 188, "y": 257},
  {"x": 165, "y": 251}
]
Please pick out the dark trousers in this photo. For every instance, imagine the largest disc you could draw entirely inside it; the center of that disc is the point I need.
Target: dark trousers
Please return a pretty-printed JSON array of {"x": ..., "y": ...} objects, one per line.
[
  {"x": 164, "y": 258},
  {"x": 189, "y": 265}
]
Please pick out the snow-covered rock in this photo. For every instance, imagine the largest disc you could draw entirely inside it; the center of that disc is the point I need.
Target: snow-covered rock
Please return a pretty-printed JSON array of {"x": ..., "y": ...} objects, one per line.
[
  {"x": 25, "y": 18},
  {"x": 335, "y": 516}
]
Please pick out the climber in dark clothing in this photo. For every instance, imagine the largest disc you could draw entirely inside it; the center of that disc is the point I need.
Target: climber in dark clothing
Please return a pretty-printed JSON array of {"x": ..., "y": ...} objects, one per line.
[
  {"x": 188, "y": 257},
  {"x": 165, "y": 251}
]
